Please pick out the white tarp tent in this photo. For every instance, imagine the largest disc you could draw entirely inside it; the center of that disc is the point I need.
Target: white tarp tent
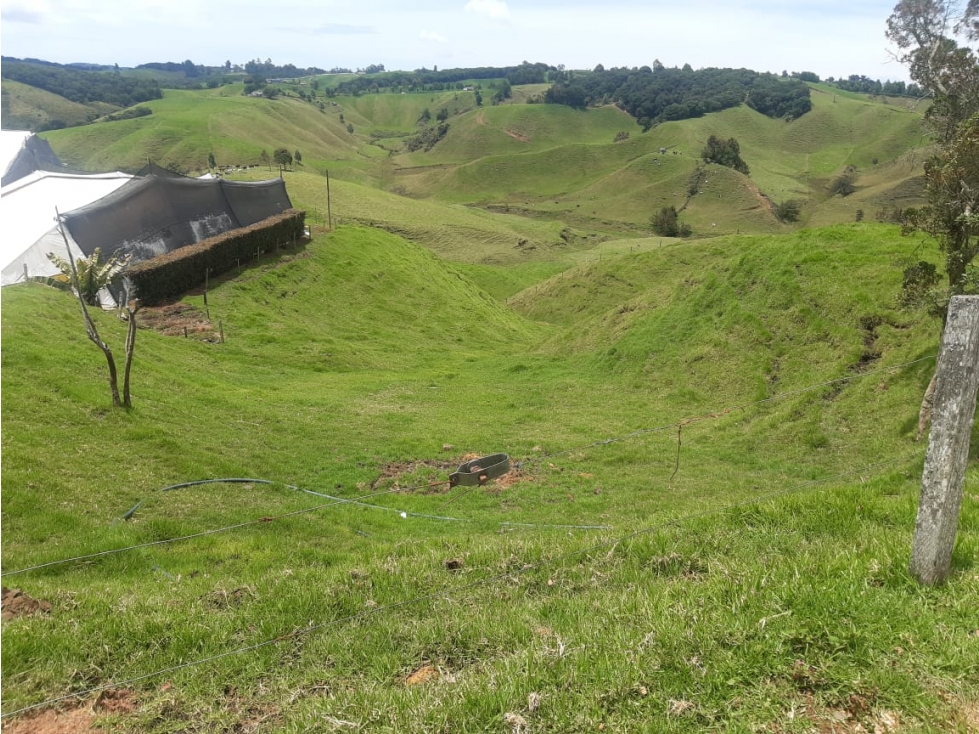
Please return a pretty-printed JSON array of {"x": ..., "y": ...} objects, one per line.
[
  {"x": 11, "y": 142},
  {"x": 27, "y": 210}
]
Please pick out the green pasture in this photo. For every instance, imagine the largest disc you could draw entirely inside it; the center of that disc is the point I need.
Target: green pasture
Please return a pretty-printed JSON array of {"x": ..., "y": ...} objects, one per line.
[
  {"x": 187, "y": 125},
  {"x": 748, "y": 571}
]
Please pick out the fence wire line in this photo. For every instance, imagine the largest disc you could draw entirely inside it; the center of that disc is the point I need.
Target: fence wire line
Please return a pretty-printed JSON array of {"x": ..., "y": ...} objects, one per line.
[
  {"x": 356, "y": 501},
  {"x": 359, "y": 500},
  {"x": 463, "y": 588}
]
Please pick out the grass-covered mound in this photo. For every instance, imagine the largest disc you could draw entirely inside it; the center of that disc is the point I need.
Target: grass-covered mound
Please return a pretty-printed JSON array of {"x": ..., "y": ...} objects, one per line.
[{"x": 769, "y": 376}]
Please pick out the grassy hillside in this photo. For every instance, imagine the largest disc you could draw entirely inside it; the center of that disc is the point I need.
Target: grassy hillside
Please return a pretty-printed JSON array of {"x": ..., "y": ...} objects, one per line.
[
  {"x": 545, "y": 162},
  {"x": 186, "y": 126},
  {"x": 30, "y": 108},
  {"x": 564, "y": 163},
  {"x": 756, "y": 504}
]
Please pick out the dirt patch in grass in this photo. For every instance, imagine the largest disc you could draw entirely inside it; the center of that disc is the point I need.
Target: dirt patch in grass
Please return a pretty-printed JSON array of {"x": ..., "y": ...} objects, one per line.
[
  {"x": 116, "y": 701},
  {"x": 178, "y": 319},
  {"x": 432, "y": 475},
  {"x": 421, "y": 675},
  {"x": 16, "y": 604},
  {"x": 77, "y": 721}
]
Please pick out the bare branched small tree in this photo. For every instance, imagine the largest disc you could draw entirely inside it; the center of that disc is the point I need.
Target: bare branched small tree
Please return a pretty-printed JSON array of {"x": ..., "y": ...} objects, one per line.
[{"x": 83, "y": 287}]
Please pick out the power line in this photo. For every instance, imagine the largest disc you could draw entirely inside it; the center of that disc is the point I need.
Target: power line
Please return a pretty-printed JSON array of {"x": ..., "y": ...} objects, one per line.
[{"x": 462, "y": 588}]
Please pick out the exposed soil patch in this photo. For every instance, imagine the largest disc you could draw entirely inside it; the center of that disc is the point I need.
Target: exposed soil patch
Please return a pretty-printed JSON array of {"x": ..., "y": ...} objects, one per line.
[
  {"x": 434, "y": 475},
  {"x": 16, "y": 603},
  {"x": 518, "y": 136},
  {"x": 116, "y": 701},
  {"x": 178, "y": 319},
  {"x": 224, "y": 599},
  {"x": 422, "y": 675},
  {"x": 78, "y": 721},
  {"x": 763, "y": 200},
  {"x": 871, "y": 353}
]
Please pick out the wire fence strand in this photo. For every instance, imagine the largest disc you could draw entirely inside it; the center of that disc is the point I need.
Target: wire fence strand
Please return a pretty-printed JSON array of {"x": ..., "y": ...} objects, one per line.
[{"x": 469, "y": 587}]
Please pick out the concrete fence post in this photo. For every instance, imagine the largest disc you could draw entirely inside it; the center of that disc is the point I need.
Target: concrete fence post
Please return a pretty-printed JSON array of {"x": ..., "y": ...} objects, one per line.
[{"x": 948, "y": 443}]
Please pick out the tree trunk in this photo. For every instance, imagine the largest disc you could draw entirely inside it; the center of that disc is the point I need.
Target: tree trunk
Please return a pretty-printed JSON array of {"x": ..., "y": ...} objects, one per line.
[{"x": 131, "y": 308}]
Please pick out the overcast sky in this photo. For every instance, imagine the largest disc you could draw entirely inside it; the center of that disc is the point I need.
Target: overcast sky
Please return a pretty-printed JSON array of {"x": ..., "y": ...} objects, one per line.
[{"x": 829, "y": 37}]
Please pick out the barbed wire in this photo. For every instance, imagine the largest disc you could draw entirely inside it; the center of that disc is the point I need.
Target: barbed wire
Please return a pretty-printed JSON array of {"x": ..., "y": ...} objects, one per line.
[{"x": 464, "y": 588}]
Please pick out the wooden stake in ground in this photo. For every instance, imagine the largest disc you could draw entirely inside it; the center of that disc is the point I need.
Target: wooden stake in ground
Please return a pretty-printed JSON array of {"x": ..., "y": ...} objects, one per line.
[{"x": 948, "y": 444}]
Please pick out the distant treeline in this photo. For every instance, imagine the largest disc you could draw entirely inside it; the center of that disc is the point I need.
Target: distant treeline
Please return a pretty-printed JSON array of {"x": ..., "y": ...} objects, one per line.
[
  {"x": 79, "y": 85},
  {"x": 436, "y": 81},
  {"x": 865, "y": 85},
  {"x": 659, "y": 94}
]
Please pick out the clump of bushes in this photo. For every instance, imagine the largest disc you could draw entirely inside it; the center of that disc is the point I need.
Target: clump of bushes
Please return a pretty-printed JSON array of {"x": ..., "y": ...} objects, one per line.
[{"x": 666, "y": 223}]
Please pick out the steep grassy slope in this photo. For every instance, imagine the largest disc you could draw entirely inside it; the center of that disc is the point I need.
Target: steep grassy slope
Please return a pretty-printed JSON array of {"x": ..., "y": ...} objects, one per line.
[
  {"x": 30, "y": 108},
  {"x": 586, "y": 176}
]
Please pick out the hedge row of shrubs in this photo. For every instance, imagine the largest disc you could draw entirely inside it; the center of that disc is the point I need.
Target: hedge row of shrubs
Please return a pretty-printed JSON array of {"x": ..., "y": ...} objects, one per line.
[{"x": 177, "y": 272}]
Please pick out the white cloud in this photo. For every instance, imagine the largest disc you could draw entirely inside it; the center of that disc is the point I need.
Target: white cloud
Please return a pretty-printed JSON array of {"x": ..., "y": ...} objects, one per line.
[
  {"x": 432, "y": 36},
  {"x": 25, "y": 11},
  {"x": 494, "y": 9}
]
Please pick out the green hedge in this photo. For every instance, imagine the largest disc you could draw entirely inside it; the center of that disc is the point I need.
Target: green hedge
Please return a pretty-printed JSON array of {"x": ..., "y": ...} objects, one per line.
[{"x": 177, "y": 272}]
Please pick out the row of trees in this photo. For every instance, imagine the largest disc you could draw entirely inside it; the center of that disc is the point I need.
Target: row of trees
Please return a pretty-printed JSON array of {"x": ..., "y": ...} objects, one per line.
[
  {"x": 658, "y": 94},
  {"x": 865, "y": 85},
  {"x": 81, "y": 86},
  {"x": 446, "y": 79}
]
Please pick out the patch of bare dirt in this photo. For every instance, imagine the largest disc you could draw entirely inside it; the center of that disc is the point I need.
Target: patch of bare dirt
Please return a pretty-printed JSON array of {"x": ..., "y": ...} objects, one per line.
[
  {"x": 399, "y": 473},
  {"x": 77, "y": 721},
  {"x": 178, "y": 319},
  {"x": 116, "y": 701},
  {"x": 16, "y": 603},
  {"x": 763, "y": 200},
  {"x": 421, "y": 675},
  {"x": 516, "y": 135}
]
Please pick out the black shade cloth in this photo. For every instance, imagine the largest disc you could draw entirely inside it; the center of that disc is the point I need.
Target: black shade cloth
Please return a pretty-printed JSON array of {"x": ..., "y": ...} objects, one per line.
[{"x": 156, "y": 214}]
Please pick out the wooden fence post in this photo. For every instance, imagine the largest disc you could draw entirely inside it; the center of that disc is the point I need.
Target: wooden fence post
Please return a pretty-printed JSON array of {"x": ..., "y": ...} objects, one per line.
[{"x": 948, "y": 444}]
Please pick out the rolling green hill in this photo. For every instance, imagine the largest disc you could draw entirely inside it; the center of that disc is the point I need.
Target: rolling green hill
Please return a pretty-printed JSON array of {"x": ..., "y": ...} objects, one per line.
[
  {"x": 545, "y": 162},
  {"x": 708, "y": 519},
  {"x": 187, "y": 125},
  {"x": 30, "y": 108}
]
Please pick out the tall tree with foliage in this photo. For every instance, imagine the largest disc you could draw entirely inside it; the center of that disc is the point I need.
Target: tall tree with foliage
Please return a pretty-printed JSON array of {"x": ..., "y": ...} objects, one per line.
[
  {"x": 282, "y": 157},
  {"x": 724, "y": 153},
  {"x": 934, "y": 38}
]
